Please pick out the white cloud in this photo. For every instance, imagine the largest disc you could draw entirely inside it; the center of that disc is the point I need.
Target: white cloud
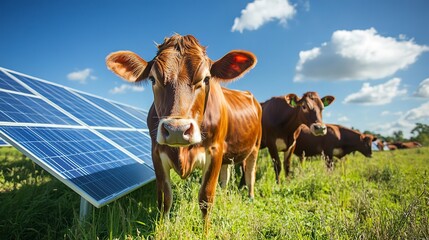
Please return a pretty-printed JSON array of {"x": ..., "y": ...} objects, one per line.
[
  {"x": 418, "y": 114},
  {"x": 260, "y": 12},
  {"x": 357, "y": 55},
  {"x": 387, "y": 113},
  {"x": 377, "y": 94},
  {"x": 423, "y": 89},
  {"x": 406, "y": 122},
  {"x": 82, "y": 75},
  {"x": 125, "y": 87},
  {"x": 343, "y": 119}
]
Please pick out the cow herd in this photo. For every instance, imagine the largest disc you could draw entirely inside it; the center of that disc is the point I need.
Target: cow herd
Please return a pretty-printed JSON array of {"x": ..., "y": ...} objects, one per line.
[{"x": 196, "y": 122}]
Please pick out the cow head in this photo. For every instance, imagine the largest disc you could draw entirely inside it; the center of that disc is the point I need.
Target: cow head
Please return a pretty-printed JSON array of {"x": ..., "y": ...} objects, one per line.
[
  {"x": 181, "y": 75},
  {"x": 366, "y": 144},
  {"x": 310, "y": 108}
]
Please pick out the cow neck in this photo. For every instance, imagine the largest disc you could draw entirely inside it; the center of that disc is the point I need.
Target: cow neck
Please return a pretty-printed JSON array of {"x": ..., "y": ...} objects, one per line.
[
  {"x": 351, "y": 139},
  {"x": 292, "y": 121}
]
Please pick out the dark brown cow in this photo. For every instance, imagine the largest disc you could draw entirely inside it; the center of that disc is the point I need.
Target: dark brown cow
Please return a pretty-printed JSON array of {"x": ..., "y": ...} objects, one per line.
[
  {"x": 281, "y": 118},
  {"x": 338, "y": 142},
  {"x": 194, "y": 122},
  {"x": 406, "y": 145}
]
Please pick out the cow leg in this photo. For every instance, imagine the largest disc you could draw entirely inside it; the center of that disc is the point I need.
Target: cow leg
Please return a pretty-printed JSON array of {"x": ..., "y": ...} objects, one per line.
[
  {"x": 243, "y": 175},
  {"x": 163, "y": 184},
  {"x": 225, "y": 173},
  {"x": 287, "y": 160},
  {"x": 329, "y": 160},
  {"x": 210, "y": 179},
  {"x": 250, "y": 172},
  {"x": 276, "y": 161}
]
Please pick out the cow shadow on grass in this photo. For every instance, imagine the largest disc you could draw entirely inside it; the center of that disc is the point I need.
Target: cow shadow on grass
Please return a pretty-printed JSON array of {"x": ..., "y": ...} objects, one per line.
[{"x": 36, "y": 205}]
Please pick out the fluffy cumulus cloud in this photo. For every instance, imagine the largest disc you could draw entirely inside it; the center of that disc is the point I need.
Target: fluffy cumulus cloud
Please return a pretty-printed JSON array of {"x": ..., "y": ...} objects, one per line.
[
  {"x": 125, "y": 88},
  {"x": 419, "y": 114},
  {"x": 423, "y": 89},
  {"x": 406, "y": 122},
  {"x": 259, "y": 12},
  {"x": 81, "y": 76},
  {"x": 377, "y": 94},
  {"x": 357, "y": 55}
]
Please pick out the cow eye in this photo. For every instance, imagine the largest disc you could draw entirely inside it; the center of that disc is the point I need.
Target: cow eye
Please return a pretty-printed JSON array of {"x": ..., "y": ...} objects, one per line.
[
  {"x": 206, "y": 80},
  {"x": 152, "y": 79},
  {"x": 304, "y": 107}
]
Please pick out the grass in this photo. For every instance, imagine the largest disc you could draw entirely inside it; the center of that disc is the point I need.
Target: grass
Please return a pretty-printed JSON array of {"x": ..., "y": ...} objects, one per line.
[{"x": 385, "y": 197}]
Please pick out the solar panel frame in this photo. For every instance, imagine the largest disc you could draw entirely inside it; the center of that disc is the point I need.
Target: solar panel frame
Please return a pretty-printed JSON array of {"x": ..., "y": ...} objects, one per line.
[
  {"x": 139, "y": 160},
  {"x": 3, "y": 143}
]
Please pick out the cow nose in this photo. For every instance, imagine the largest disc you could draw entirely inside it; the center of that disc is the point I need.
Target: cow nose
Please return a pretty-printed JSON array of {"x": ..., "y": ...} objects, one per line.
[
  {"x": 319, "y": 129},
  {"x": 175, "y": 132}
]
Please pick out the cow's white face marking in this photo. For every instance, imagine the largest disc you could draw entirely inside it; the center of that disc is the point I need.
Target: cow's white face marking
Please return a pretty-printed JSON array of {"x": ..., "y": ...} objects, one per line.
[{"x": 280, "y": 144}]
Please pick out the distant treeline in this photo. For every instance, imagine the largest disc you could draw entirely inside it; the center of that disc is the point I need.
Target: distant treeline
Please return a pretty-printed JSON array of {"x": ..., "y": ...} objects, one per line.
[{"x": 420, "y": 134}]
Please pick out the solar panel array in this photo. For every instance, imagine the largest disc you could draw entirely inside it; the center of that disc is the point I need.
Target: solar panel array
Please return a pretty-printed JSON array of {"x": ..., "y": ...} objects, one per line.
[{"x": 99, "y": 148}]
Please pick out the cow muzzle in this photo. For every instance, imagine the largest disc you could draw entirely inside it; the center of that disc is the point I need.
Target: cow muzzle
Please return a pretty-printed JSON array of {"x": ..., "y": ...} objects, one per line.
[
  {"x": 178, "y": 132},
  {"x": 318, "y": 129}
]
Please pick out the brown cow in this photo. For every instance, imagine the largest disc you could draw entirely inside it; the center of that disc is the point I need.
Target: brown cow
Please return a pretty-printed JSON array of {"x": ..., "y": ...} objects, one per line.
[
  {"x": 194, "y": 121},
  {"x": 281, "y": 118},
  {"x": 338, "y": 142},
  {"x": 406, "y": 145}
]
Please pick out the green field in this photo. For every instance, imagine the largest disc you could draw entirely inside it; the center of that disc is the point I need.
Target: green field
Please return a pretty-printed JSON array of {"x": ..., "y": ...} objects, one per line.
[{"x": 385, "y": 197}]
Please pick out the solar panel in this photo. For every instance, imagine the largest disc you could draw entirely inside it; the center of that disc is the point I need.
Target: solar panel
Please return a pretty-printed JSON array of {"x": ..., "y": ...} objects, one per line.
[
  {"x": 115, "y": 110},
  {"x": 93, "y": 145},
  {"x": 3, "y": 143},
  {"x": 81, "y": 109}
]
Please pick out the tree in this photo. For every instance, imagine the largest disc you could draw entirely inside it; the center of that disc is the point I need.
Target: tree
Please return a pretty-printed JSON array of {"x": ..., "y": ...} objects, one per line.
[
  {"x": 398, "y": 136},
  {"x": 421, "y": 132}
]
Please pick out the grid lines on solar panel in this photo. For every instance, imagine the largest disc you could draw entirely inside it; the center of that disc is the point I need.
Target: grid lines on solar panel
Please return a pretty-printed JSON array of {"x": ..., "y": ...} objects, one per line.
[
  {"x": 140, "y": 114},
  {"x": 83, "y": 158},
  {"x": 108, "y": 106},
  {"x": 73, "y": 104},
  {"x": 135, "y": 142},
  {"x": 26, "y": 109},
  {"x": 10, "y": 84},
  {"x": 3, "y": 143}
]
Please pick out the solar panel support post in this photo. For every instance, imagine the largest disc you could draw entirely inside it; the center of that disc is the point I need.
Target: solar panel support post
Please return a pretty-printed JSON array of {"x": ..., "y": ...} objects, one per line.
[{"x": 85, "y": 208}]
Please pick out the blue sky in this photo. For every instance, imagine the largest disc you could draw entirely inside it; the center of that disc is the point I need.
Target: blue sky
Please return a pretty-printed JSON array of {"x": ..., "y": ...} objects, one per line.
[{"x": 373, "y": 56}]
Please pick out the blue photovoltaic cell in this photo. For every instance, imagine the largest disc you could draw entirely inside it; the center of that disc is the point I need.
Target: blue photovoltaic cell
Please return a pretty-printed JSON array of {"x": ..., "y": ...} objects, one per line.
[
  {"x": 130, "y": 119},
  {"x": 3, "y": 143},
  {"x": 78, "y": 107},
  {"x": 26, "y": 109},
  {"x": 135, "y": 142},
  {"x": 140, "y": 114},
  {"x": 9, "y": 84},
  {"x": 82, "y": 158}
]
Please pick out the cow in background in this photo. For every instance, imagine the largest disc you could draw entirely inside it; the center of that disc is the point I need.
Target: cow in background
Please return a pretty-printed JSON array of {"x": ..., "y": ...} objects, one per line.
[
  {"x": 338, "y": 142},
  {"x": 194, "y": 121},
  {"x": 406, "y": 145},
  {"x": 281, "y": 118}
]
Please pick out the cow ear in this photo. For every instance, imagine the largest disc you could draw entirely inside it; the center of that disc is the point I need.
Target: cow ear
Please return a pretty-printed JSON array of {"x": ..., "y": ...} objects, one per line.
[
  {"x": 327, "y": 100},
  {"x": 233, "y": 65},
  {"x": 128, "y": 65},
  {"x": 292, "y": 99}
]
